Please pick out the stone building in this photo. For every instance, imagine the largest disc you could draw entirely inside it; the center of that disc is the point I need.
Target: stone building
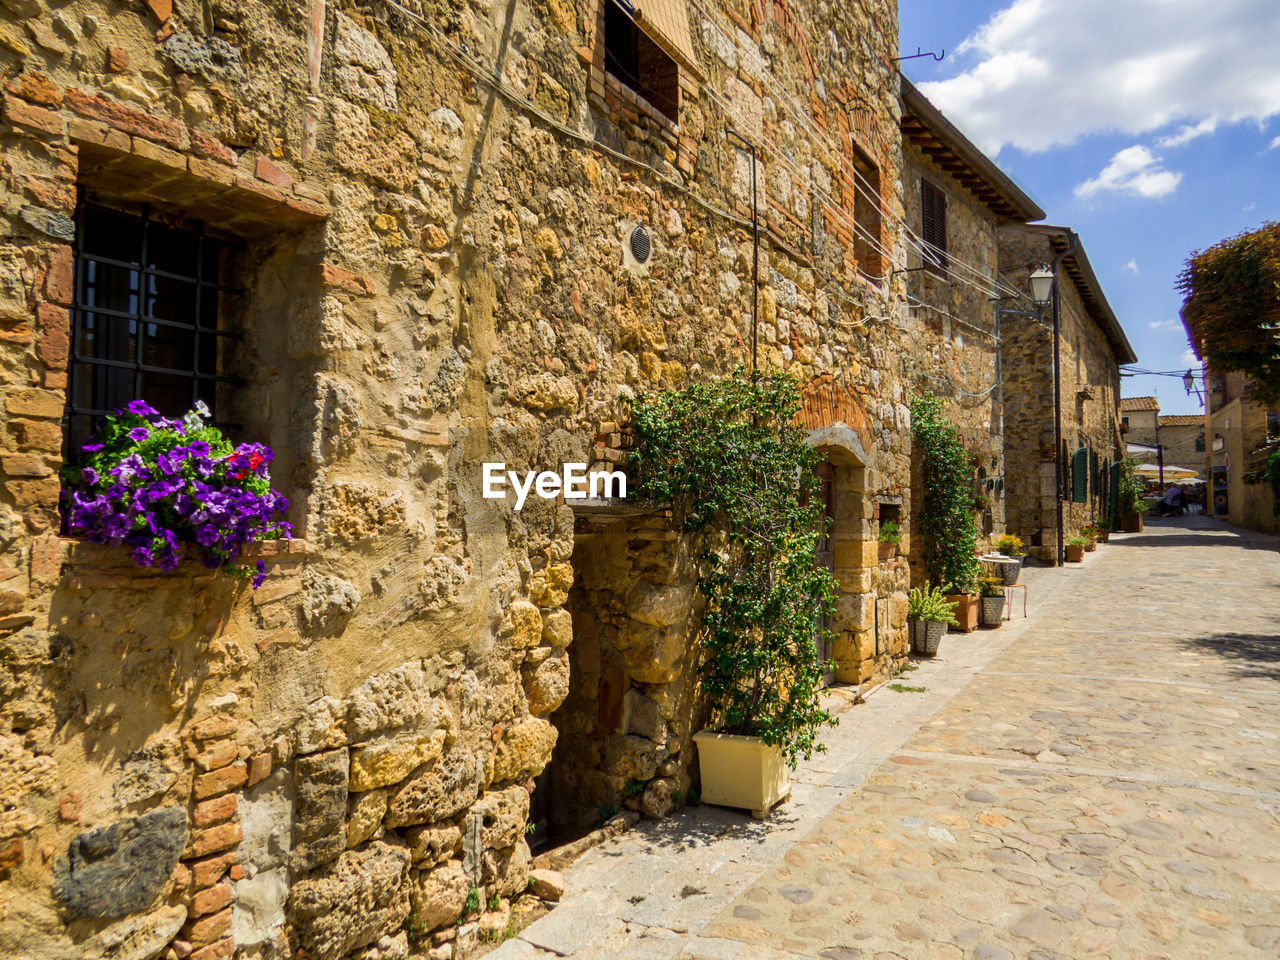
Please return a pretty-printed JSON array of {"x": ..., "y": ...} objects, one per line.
[
  {"x": 1040, "y": 472},
  {"x": 395, "y": 241},
  {"x": 1140, "y": 420},
  {"x": 1239, "y": 431},
  {"x": 1182, "y": 436},
  {"x": 956, "y": 200}
]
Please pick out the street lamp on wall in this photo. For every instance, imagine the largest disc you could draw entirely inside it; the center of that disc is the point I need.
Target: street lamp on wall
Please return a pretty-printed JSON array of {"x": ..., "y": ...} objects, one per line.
[{"x": 1041, "y": 284}]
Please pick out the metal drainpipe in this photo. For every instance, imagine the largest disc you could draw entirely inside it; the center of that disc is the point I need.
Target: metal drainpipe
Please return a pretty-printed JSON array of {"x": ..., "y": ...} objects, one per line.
[{"x": 1057, "y": 390}]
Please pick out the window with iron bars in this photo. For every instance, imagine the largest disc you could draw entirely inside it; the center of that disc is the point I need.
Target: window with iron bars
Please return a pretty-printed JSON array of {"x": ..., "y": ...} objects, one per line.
[{"x": 148, "y": 319}]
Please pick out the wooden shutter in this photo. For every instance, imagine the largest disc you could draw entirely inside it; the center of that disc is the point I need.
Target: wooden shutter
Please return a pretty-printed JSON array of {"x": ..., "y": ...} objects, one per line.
[
  {"x": 1115, "y": 493},
  {"x": 1080, "y": 476},
  {"x": 933, "y": 225}
]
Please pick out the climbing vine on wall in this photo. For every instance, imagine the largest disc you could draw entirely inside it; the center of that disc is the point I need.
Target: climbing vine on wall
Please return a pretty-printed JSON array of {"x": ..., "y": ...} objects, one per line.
[
  {"x": 730, "y": 459},
  {"x": 947, "y": 529},
  {"x": 1232, "y": 307}
]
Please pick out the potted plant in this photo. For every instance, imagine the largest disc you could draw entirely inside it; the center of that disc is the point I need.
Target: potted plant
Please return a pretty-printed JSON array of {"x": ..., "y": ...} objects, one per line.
[
  {"x": 991, "y": 590},
  {"x": 929, "y": 613},
  {"x": 153, "y": 483},
  {"x": 1090, "y": 535},
  {"x": 949, "y": 536},
  {"x": 766, "y": 596},
  {"x": 1075, "y": 548},
  {"x": 890, "y": 537},
  {"x": 1103, "y": 526},
  {"x": 1008, "y": 559},
  {"x": 1129, "y": 498}
]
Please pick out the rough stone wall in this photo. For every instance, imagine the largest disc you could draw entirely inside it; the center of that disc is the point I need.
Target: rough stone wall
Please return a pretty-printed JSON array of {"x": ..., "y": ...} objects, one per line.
[
  {"x": 1179, "y": 441},
  {"x": 1142, "y": 426},
  {"x": 955, "y": 339},
  {"x": 434, "y": 277},
  {"x": 1090, "y": 390}
]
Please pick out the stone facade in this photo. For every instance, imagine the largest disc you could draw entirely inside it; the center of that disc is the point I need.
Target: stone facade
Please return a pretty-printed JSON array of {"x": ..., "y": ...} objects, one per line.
[
  {"x": 429, "y": 273},
  {"x": 1182, "y": 436},
  {"x": 1140, "y": 419},
  {"x": 1092, "y": 347},
  {"x": 955, "y": 330},
  {"x": 1240, "y": 428}
]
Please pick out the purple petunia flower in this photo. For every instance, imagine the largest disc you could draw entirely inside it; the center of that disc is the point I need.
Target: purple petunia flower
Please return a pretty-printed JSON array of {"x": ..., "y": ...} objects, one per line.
[
  {"x": 138, "y": 434},
  {"x": 141, "y": 408}
]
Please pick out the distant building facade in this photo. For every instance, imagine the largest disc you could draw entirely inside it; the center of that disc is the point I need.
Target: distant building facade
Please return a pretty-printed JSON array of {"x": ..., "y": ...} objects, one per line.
[{"x": 1237, "y": 430}]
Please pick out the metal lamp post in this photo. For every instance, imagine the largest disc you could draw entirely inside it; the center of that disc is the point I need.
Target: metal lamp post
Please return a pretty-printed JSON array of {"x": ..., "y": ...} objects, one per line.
[{"x": 1044, "y": 288}]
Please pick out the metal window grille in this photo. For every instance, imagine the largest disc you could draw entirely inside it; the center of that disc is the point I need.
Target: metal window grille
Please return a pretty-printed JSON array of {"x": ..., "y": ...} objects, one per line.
[{"x": 147, "y": 319}]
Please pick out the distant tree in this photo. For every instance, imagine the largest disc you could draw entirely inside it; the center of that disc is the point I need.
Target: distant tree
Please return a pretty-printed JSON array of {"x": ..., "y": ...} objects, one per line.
[{"x": 1232, "y": 307}]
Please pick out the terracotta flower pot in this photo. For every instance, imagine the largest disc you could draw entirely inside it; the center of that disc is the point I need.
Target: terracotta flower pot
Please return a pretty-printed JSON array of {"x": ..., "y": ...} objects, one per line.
[
  {"x": 1131, "y": 522},
  {"x": 966, "y": 611},
  {"x": 888, "y": 551},
  {"x": 1092, "y": 545},
  {"x": 1074, "y": 554}
]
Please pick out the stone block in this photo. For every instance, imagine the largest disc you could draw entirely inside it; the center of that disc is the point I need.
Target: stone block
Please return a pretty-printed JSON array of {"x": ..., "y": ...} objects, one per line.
[
  {"x": 434, "y": 844},
  {"x": 382, "y": 764},
  {"x": 435, "y": 793},
  {"x": 211, "y": 928},
  {"x": 220, "y": 781},
  {"x": 215, "y": 839},
  {"x": 365, "y": 820},
  {"x": 525, "y": 748},
  {"x": 557, "y": 628},
  {"x": 502, "y": 815},
  {"x": 547, "y": 884},
  {"x": 635, "y": 758},
  {"x": 439, "y": 896},
  {"x": 320, "y": 811},
  {"x": 403, "y": 697},
  {"x": 546, "y": 683},
  {"x": 526, "y": 624},
  {"x": 120, "y": 869},
  {"x": 353, "y": 902},
  {"x": 215, "y": 810},
  {"x": 137, "y": 938},
  {"x": 211, "y": 899}
]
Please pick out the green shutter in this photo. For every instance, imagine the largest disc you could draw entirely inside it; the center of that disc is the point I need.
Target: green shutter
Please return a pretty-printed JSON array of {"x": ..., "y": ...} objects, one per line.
[
  {"x": 1080, "y": 476},
  {"x": 1114, "y": 490}
]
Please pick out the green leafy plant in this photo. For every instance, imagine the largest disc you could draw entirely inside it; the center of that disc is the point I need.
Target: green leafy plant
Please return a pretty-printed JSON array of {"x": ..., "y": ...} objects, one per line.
[
  {"x": 891, "y": 532},
  {"x": 990, "y": 587},
  {"x": 947, "y": 529},
  {"x": 1010, "y": 546},
  {"x": 632, "y": 788},
  {"x": 495, "y": 902},
  {"x": 605, "y": 814},
  {"x": 736, "y": 468},
  {"x": 931, "y": 604},
  {"x": 1077, "y": 541},
  {"x": 415, "y": 929},
  {"x": 530, "y": 829},
  {"x": 472, "y": 903},
  {"x": 1231, "y": 307},
  {"x": 1129, "y": 492},
  {"x": 906, "y": 688}
]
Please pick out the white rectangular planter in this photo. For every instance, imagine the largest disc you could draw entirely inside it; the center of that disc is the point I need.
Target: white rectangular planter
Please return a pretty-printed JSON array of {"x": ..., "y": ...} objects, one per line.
[{"x": 741, "y": 772}]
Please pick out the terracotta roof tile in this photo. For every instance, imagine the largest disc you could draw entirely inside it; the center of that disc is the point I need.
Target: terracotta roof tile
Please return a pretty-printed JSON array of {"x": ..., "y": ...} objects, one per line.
[
  {"x": 1139, "y": 403},
  {"x": 1182, "y": 420}
]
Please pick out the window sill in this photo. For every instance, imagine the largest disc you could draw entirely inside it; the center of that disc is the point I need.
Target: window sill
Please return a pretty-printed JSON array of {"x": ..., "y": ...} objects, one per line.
[{"x": 86, "y": 565}]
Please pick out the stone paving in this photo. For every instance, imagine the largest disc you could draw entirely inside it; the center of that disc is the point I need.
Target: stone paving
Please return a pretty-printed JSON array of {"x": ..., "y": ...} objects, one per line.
[{"x": 1101, "y": 780}]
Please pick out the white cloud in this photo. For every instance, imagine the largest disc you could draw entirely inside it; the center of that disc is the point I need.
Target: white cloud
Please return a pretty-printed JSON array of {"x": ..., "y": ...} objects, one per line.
[
  {"x": 1188, "y": 358},
  {"x": 1250, "y": 206},
  {"x": 1049, "y": 73},
  {"x": 1134, "y": 171},
  {"x": 1171, "y": 324},
  {"x": 1132, "y": 266},
  {"x": 1274, "y": 144}
]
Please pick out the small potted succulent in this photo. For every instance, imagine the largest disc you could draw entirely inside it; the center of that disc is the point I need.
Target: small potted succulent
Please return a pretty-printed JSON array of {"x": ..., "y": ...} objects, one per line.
[
  {"x": 929, "y": 613},
  {"x": 1075, "y": 548},
  {"x": 1008, "y": 558},
  {"x": 991, "y": 591},
  {"x": 890, "y": 537}
]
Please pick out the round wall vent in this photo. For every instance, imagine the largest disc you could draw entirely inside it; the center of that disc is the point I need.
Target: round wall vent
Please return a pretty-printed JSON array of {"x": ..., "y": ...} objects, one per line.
[{"x": 641, "y": 246}]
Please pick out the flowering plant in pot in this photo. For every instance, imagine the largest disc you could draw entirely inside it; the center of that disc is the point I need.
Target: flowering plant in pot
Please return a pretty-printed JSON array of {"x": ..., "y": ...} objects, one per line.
[
  {"x": 1090, "y": 534},
  {"x": 890, "y": 537},
  {"x": 1009, "y": 558},
  {"x": 1075, "y": 548},
  {"x": 739, "y": 472},
  {"x": 991, "y": 591},
  {"x": 929, "y": 613},
  {"x": 152, "y": 483},
  {"x": 1103, "y": 528}
]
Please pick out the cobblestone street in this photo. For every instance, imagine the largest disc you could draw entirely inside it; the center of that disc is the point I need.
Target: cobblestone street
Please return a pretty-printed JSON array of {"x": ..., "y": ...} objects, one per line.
[{"x": 1102, "y": 779}]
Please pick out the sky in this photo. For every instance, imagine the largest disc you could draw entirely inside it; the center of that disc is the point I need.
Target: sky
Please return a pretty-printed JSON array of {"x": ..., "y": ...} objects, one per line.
[{"x": 1151, "y": 127}]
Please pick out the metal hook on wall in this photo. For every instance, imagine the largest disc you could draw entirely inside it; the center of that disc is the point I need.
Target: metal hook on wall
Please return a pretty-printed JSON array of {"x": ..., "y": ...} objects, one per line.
[{"x": 921, "y": 53}]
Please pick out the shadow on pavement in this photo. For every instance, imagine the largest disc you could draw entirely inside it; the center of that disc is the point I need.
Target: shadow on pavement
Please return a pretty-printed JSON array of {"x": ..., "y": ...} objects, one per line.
[{"x": 1255, "y": 655}]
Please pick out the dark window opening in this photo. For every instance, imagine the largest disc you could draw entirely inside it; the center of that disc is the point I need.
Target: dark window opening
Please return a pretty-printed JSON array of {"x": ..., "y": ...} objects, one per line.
[
  {"x": 866, "y": 215},
  {"x": 147, "y": 322},
  {"x": 933, "y": 228},
  {"x": 639, "y": 63},
  {"x": 1200, "y": 444}
]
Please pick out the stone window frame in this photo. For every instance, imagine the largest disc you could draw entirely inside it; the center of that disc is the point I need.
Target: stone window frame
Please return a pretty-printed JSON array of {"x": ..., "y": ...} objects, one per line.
[{"x": 868, "y": 237}]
